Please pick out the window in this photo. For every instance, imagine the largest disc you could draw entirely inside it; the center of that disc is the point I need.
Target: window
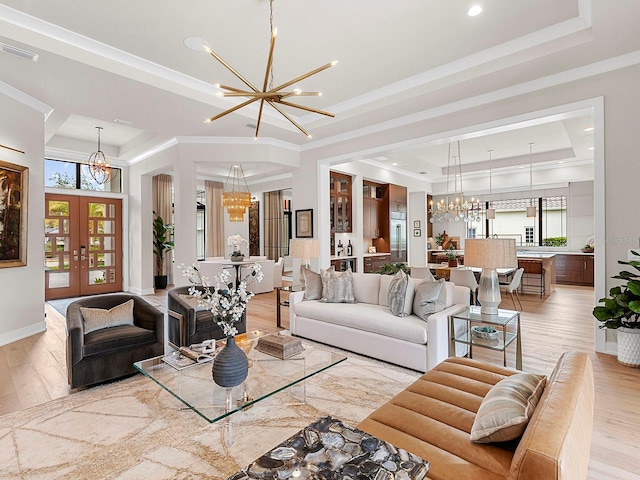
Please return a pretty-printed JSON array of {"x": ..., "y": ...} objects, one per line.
[
  {"x": 75, "y": 176},
  {"x": 511, "y": 221},
  {"x": 529, "y": 235}
]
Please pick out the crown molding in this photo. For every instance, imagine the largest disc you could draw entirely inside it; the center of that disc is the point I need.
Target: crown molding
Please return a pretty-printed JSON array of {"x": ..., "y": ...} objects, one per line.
[{"x": 25, "y": 99}]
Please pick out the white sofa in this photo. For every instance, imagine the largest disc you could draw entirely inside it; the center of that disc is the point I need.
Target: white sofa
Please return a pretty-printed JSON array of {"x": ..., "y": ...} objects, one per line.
[{"x": 368, "y": 327}]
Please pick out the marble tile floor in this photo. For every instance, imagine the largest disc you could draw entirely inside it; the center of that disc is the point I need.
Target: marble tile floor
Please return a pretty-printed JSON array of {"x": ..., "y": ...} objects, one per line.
[{"x": 132, "y": 429}]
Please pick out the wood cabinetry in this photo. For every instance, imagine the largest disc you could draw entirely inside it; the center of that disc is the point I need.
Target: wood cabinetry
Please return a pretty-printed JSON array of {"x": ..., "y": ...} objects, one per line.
[
  {"x": 372, "y": 264},
  {"x": 373, "y": 210},
  {"x": 574, "y": 269},
  {"x": 340, "y": 202}
]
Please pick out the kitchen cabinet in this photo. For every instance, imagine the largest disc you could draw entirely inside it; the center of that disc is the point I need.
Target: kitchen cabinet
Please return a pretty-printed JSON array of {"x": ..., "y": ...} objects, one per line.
[
  {"x": 574, "y": 269},
  {"x": 372, "y": 210},
  {"x": 373, "y": 263},
  {"x": 340, "y": 204}
]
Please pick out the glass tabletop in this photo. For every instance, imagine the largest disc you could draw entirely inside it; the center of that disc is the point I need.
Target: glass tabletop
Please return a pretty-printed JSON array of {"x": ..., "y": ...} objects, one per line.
[
  {"x": 473, "y": 314},
  {"x": 267, "y": 376}
]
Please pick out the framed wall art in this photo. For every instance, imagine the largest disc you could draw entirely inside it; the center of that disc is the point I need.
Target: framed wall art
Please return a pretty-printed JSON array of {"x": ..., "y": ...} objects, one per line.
[
  {"x": 14, "y": 181},
  {"x": 304, "y": 223}
]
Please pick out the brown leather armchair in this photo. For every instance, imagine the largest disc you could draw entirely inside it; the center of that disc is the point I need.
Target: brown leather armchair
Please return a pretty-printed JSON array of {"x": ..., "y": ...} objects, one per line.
[
  {"x": 187, "y": 326},
  {"x": 109, "y": 353}
]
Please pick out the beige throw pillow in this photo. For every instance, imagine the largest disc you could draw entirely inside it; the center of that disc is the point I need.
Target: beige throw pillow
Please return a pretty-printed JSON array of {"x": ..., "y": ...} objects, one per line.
[
  {"x": 193, "y": 302},
  {"x": 507, "y": 408},
  {"x": 313, "y": 284},
  {"x": 98, "y": 318},
  {"x": 337, "y": 287}
]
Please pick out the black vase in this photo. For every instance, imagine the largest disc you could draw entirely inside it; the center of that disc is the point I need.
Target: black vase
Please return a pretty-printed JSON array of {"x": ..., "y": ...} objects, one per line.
[
  {"x": 236, "y": 256},
  {"x": 230, "y": 367}
]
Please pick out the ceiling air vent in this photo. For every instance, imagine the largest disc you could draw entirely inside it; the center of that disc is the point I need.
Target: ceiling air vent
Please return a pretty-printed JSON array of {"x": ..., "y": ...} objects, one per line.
[{"x": 19, "y": 52}]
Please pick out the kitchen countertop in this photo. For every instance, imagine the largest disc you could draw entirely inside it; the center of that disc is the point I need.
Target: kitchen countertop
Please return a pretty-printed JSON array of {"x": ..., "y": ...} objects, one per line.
[
  {"x": 377, "y": 254},
  {"x": 536, "y": 255},
  {"x": 343, "y": 257}
]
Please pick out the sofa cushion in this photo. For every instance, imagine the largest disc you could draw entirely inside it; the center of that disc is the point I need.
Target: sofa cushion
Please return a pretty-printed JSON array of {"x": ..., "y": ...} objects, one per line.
[
  {"x": 366, "y": 287},
  {"x": 400, "y": 296},
  {"x": 107, "y": 340},
  {"x": 98, "y": 318},
  {"x": 429, "y": 298},
  {"x": 337, "y": 287},
  {"x": 313, "y": 282},
  {"x": 364, "y": 316},
  {"x": 507, "y": 408}
]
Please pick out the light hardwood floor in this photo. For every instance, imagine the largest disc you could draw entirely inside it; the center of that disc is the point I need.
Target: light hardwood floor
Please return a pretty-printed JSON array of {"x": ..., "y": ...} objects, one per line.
[{"x": 32, "y": 371}]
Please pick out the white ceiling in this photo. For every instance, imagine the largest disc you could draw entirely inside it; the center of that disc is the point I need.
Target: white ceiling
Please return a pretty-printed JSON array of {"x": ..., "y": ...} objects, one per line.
[{"x": 102, "y": 61}]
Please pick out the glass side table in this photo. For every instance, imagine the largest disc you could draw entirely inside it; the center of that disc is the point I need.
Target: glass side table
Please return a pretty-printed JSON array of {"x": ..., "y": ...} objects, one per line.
[
  {"x": 284, "y": 303},
  {"x": 472, "y": 315}
]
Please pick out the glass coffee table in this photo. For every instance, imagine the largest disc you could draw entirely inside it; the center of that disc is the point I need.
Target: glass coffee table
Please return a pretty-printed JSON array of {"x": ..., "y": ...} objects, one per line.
[{"x": 268, "y": 375}]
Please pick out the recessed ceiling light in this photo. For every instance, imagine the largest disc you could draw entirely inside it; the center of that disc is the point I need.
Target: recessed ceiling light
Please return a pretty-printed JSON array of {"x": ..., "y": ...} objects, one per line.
[
  {"x": 474, "y": 10},
  {"x": 394, "y": 163},
  {"x": 521, "y": 166},
  {"x": 588, "y": 129},
  {"x": 561, "y": 161},
  {"x": 590, "y": 148}
]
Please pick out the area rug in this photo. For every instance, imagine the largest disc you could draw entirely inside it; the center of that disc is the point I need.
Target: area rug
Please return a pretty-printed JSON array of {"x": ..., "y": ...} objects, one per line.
[{"x": 133, "y": 429}]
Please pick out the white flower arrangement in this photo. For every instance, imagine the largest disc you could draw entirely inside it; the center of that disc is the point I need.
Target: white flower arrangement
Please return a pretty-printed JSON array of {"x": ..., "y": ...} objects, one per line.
[
  {"x": 226, "y": 303},
  {"x": 236, "y": 241}
]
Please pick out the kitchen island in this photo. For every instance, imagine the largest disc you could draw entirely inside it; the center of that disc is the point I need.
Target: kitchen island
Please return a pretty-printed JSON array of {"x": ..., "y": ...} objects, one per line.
[{"x": 548, "y": 260}]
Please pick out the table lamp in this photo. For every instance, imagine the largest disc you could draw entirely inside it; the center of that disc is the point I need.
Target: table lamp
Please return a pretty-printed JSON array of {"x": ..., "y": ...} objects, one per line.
[
  {"x": 489, "y": 254},
  {"x": 304, "y": 249}
]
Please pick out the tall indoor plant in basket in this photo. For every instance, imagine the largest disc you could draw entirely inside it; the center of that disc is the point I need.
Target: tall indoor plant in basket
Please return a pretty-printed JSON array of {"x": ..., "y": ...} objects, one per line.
[
  {"x": 162, "y": 243},
  {"x": 621, "y": 311}
]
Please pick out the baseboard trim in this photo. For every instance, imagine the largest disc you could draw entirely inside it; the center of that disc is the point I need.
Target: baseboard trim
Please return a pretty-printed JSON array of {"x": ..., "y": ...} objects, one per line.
[{"x": 21, "y": 333}]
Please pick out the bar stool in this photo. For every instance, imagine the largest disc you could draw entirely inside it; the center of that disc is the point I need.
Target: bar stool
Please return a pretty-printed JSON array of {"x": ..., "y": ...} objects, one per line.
[{"x": 533, "y": 275}]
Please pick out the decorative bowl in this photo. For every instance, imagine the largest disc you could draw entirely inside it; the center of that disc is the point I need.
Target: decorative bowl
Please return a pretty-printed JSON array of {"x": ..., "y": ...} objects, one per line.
[{"x": 485, "y": 333}]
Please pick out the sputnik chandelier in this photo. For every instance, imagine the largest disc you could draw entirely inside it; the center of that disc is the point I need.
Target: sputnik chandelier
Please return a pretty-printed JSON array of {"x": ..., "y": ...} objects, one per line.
[
  {"x": 99, "y": 167},
  {"x": 454, "y": 208},
  {"x": 274, "y": 96}
]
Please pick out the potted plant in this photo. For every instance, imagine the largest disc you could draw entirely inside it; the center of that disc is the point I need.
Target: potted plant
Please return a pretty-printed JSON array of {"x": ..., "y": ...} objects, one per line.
[
  {"x": 452, "y": 256},
  {"x": 440, "y": 239},
  {"x": 392, "y": 268},
  {"x": 162, "y": 243},
  {"x": 621, "y": 311}
]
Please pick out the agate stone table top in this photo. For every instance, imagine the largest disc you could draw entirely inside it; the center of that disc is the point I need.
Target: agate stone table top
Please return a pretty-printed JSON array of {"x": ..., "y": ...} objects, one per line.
[{"x": 329, "y": 448}]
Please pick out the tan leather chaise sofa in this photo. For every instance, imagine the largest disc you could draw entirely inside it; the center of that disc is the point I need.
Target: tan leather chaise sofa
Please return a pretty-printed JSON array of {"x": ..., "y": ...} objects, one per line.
[{"x": 433, "y": 418}]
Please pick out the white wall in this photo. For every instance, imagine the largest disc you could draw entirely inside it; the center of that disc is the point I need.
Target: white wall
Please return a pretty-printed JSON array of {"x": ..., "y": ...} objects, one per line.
[{"x": 22, "y": 288}]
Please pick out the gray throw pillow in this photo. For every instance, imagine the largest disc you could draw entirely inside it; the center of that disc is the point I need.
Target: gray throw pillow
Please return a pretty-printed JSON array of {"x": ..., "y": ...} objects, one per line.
[
  {"x": 430, "y": 297},
  {"x": 98, "y": 318},
  {"x": 193, "y": 302},
  {"x": 398, "y": 293},
  {"x": 313, "y": 282},
  {"x": 337, "y": 287}
]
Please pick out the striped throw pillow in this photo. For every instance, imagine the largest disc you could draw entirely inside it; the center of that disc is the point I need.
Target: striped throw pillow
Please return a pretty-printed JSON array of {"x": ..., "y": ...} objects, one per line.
[{"x": 507, "y": 408}]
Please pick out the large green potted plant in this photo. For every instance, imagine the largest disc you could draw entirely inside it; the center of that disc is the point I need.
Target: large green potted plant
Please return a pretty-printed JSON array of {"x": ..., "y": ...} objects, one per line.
[
  {"x": 452, "y": 256},
  {"x": 162, "y": 243},
  {"x": 621, "y": 311}
]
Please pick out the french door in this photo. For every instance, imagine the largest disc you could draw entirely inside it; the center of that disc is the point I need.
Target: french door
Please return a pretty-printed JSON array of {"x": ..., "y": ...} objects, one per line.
[{"x": 83, "y": 245}]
